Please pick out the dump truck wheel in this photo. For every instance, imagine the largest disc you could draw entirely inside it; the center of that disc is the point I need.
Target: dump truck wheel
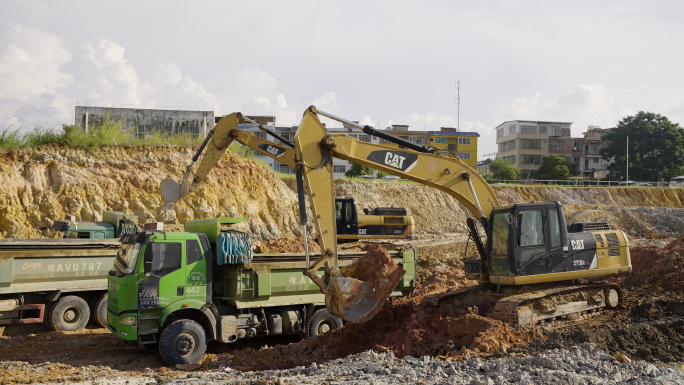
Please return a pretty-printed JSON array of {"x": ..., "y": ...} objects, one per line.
[
  {"x": 182, "y": 342},
  {"x": 322, "y": 322},
  {"x": 99, "y": 311},
  {"x": 69, "y": 313}
]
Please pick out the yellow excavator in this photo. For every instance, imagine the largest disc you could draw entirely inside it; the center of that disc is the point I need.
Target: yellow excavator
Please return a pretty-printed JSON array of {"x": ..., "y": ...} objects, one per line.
[
  {"x": 529, "y": 260},
  {"x": 375, "y": 223}
]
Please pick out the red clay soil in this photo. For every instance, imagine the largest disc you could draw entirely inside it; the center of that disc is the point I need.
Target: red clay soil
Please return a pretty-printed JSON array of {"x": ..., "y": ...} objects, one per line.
[
  {"x": 408, "y": 326},
  {"x": 657, "y": 270},
  {"x": 289, "y": 245}
]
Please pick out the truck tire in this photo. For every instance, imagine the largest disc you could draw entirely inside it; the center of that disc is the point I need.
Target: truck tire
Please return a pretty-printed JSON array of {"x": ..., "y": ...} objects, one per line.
[
  {"x": 98, "y": 315},
  {"x": 182, "y": 342},
  {"x": 322, "y": 322},
  {"x": 68, "y": 314}
]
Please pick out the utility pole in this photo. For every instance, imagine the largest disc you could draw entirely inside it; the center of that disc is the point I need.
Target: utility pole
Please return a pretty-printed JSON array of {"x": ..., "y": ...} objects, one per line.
[
  {"x": 627, "y": 160},
  {"x": 458, "y": 105}
]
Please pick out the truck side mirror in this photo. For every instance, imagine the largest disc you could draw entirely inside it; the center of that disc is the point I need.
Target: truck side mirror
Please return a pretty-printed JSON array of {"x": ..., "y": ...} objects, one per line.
[{"x": 147, "y": 259}]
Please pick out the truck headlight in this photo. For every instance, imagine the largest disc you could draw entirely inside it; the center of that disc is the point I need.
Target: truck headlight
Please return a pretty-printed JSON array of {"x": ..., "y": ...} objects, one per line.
[{"x": 127, "y": 321}]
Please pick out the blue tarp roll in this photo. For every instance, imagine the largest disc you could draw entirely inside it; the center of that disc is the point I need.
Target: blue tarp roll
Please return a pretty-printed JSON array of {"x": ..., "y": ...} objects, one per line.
[{"x": 234, "y": 247}]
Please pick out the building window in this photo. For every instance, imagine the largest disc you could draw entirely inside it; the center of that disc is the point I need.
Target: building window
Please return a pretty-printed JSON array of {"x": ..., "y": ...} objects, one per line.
[
  {"x": 464, "y": 155},
  {"x": 418, "y": 139},
  {"x": 566, "y": 132},
  {"x": 441, "y": 140},
  {"x": 384, "y": 141},
  {"x": 364, "y": 138},
  {"x": 502, "y": 147},
  {"x": 531, "y": 144},
  {"x": 284, "y": 169},
  {"x": 596, "y": 160},
  {"x": 527, "y": 129},
  {"x": 259, "y": 134},
  {"x": 530, "y": 159},
  {"x": 339, "y": 168},
  {"x": 510, "y": 159},
  {"x": 543, "y": 129},
  {"x": 556, "y": 145},
  {"x": 464, "y": 141}
]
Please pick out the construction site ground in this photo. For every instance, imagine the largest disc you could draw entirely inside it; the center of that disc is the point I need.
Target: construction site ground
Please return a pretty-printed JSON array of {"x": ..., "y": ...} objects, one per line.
[{"x": 649, "y": 326}]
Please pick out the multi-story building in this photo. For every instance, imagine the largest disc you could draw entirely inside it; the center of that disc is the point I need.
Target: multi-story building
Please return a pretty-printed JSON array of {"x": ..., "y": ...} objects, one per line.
[
  {"x": 523, "y": 143},
  {"x": 593, "y": 165},
  {"x": 463, "y": 144}
]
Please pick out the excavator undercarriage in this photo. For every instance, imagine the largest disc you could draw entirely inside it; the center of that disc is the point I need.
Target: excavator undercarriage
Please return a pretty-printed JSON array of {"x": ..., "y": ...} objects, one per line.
[{"x": 529, "y": 305}]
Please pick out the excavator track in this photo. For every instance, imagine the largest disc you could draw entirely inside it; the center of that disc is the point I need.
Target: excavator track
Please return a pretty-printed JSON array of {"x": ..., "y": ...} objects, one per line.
[{"x": 527, "y": 309}]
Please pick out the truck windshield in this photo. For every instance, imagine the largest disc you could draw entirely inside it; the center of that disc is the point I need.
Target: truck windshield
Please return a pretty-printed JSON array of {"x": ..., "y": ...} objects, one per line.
[{"x": 127, "y": 258}]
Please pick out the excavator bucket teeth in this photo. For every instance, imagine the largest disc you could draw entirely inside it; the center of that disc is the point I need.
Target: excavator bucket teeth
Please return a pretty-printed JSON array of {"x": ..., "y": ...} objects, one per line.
[
  {"x": 171, "y": 190},
  {"x": 359, "y": 293}
]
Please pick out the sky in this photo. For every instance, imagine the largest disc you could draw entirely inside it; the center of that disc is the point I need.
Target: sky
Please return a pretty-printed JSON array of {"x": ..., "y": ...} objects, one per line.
[{"x": 591, "y": 63}]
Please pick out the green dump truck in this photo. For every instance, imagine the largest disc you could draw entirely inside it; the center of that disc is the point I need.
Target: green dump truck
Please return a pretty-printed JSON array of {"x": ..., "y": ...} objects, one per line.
[
  {"x": 180, "y": 290},
  {"x": 61, "y": 282}
]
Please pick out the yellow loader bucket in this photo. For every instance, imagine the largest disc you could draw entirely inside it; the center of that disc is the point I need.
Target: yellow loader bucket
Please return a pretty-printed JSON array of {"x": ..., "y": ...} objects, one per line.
[{"x": 360, "y": 291}]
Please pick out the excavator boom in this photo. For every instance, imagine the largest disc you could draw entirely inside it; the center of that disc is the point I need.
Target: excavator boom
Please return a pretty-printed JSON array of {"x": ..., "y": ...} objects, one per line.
[
  {"x": 217, "y": 141},
  {"x": 355, "y": 295}
]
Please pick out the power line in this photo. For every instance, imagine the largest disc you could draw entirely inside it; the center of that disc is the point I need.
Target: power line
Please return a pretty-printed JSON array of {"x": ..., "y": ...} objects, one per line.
[{"x": 29, "y": 113}]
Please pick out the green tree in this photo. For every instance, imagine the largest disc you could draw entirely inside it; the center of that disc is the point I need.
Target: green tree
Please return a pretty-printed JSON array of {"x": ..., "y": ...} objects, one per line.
[
  {"x": 381, "y": 174},
  {"x": 357, "y": 170},
  {"x": 501, "y": 169},
  {"x": 553, "y": 167},
  {"x": 574, "y": 168},
  {"x": 656, "y": 148}
]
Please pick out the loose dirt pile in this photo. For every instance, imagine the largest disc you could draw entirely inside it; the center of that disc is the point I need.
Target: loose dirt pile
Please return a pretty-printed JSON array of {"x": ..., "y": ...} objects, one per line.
[
  {"x": 287, "y": 245},
  {"x": 650, "y": 323}
]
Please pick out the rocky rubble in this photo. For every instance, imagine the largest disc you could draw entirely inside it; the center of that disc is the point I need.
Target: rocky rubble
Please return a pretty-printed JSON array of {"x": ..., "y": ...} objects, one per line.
[{"x": 582, "y": 364}]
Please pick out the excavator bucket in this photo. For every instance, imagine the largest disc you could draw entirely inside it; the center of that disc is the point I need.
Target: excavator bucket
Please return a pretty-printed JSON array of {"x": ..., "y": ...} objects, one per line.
[
  {"x": 171, "y": 190},
  {"x": 356, "y": 292},
  {"x": 360, "y": 291}
]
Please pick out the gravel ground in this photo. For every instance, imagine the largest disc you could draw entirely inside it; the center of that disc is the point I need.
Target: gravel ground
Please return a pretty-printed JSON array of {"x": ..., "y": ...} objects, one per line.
[{"x": 582, "y": 364}]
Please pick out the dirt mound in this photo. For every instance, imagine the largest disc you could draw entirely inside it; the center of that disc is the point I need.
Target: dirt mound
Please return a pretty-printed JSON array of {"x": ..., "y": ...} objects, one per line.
[
  {"x": 405, "y": 329},
  {"x": 657, "y": 270},
  {"x": 650, "y": 323}
]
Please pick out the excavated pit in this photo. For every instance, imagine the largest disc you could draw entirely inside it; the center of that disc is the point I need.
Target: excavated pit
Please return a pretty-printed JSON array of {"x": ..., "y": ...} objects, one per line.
[{"x": 42, "y": 185}]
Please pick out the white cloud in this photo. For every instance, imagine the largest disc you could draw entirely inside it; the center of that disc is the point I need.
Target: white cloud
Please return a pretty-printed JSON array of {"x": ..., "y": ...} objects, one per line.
[
  {"x": 32, "y": 80},
  {"x": 175, "y": 89},
  {"x": 367, "y": 121},
  {"x": 109, "y": 78},
  {"x": 329, "y": 102}
]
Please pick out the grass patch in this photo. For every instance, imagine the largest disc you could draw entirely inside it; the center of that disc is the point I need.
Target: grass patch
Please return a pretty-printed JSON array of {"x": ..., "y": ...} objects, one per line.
[{"x": 107, "y": 133}]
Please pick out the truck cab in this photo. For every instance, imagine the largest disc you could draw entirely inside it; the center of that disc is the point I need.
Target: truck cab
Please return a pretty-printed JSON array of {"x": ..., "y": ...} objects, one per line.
[{"x": 180, "y": 290}]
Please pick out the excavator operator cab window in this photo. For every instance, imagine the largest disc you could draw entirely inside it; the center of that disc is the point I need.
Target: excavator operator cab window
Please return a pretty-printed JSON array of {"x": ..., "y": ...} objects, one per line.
[
  {"x": 530, "y": 237},
  {"x": 498, "y": 245},
  {"x": 344, "y": 212}
]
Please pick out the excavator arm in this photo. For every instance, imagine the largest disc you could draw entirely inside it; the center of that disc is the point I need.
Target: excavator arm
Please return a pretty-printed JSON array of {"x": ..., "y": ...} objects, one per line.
[
  {"x": 216, "y": 143},
  {"x": 347, "y": 296}
]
